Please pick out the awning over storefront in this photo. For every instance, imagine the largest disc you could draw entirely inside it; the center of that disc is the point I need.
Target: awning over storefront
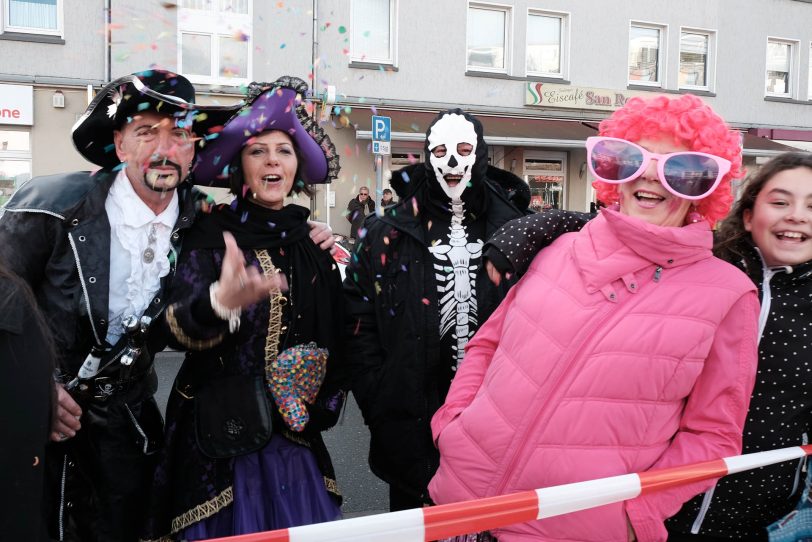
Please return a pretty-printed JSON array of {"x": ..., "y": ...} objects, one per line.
[
  {"x": 511, "y": 131},
  {"x": 520, "y": 132},
  {"x": 761, "y": 146}
]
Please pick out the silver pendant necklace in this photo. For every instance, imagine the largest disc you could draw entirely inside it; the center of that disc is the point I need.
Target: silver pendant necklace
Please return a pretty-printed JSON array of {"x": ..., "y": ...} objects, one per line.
[{"x": 149, "y": 253}]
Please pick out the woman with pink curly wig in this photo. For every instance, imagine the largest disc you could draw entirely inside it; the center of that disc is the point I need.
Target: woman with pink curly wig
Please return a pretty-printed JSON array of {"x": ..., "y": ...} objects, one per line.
[
  {"x": 627, "y": 346},
  {"x": 684, "y": 122}
]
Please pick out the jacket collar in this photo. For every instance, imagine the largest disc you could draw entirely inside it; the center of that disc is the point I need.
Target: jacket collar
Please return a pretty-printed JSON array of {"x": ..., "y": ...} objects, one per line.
[
  {"x": 615, "y": 246},
  {"x": 753, "y": 264},
  {"x": 89, "y": 235}
]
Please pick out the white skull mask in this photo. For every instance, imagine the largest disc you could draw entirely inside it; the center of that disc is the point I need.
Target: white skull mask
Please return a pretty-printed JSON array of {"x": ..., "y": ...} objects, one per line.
[{"x": 452, "y": 131}]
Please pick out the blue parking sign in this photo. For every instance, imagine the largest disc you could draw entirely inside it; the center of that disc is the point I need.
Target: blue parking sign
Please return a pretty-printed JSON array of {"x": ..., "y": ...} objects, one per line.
[{"x": 381, "y": 128}]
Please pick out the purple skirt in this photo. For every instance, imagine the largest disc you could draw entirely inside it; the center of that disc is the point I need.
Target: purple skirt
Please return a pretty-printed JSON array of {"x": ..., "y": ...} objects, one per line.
[{"x": 277, "y": 487}]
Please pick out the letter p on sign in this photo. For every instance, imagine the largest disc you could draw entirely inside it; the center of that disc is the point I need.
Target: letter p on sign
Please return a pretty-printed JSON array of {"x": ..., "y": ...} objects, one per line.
[{"x": 381, "y": 128}]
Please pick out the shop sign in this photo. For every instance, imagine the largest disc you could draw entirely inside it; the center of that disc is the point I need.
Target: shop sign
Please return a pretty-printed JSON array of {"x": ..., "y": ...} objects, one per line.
[
  {"x": 17, "y": 104},
  {"x": 571, "y": 97}
]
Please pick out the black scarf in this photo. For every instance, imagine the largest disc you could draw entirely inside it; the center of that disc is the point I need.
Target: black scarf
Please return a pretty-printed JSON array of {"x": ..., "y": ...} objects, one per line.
[
  {"x": 315, "y": 284},
  {"x": 252, "y": 225}
]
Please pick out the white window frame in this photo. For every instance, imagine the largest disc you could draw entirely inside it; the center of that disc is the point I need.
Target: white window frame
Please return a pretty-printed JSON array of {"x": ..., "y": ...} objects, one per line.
[
  {"x": 508, "y": 59},
  {"x": 60, "y": 22},
  {"x": 216, "y": 24},
  {"x": 794, "y": 67},
  {"x": 710, "y": 59},
  {"x": 809, "y": 73},
  {"x": 393, "y": 39},
  {"x": 662, "y": 53},
  {"x": 564, "y": 44}
]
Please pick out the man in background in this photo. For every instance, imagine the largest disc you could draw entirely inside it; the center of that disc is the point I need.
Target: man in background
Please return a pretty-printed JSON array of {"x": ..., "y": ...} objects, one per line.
[
  {"x": 357, "y": 209},
  {"x": 386, "y": 198}
]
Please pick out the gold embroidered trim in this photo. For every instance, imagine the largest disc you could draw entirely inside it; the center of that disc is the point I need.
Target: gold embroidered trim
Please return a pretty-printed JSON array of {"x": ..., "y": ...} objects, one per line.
[
  {"x": 184, "y": 339},
  {"x": 332, "y": 486},
  {"x": 272, "y": 349},
  {"x": 162, "y": 539},
  {"x": 203, "y": 511},
  {"x": 275, "y": 320}
]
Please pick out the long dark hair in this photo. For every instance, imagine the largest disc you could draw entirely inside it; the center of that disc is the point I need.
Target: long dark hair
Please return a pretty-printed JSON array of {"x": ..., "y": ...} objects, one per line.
[{"x": 731, "y": 231}]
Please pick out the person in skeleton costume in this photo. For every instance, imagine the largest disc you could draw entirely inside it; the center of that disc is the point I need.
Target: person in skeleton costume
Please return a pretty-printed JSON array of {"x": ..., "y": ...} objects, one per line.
[{"x": 416, "y": 293}]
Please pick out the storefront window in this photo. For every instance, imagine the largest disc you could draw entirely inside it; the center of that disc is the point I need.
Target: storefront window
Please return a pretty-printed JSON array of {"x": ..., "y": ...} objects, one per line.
[
  {"x": 545, "y": 173},
  {"x": 15, "y": 161},
  {"x": 14, "y": 141}
]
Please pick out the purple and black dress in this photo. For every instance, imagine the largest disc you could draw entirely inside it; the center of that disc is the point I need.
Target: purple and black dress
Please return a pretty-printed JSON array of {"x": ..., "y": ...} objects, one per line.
[{"x": 290, "y": 480}]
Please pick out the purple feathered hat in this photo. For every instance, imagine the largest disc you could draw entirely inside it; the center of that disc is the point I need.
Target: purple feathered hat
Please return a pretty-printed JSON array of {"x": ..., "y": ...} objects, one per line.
[{"x": 270, "y": 106}]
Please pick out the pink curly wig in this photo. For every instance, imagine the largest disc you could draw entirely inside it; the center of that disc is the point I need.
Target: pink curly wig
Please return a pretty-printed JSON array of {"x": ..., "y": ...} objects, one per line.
[{"x": 688, "y": 121}]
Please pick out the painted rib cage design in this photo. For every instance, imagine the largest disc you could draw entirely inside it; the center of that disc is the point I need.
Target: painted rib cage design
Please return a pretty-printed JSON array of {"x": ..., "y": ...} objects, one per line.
[{"x": 456, "y": 283}]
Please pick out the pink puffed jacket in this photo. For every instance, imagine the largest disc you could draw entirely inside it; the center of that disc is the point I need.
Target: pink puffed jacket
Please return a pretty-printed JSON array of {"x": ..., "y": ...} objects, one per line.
[{"x": 626, "y": 347}]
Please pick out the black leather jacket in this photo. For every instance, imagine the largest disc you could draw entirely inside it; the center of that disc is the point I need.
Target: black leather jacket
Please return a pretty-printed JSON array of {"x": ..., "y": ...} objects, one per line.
[{"x": 56, "y": 236}]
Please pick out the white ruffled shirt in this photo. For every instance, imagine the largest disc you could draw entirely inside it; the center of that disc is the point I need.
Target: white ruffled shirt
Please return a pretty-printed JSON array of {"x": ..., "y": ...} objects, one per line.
[{"x": 133, "y": 282}]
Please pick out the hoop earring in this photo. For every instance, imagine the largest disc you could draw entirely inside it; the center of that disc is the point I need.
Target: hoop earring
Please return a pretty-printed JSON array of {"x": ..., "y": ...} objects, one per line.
[{"x": 693, "y": 216}]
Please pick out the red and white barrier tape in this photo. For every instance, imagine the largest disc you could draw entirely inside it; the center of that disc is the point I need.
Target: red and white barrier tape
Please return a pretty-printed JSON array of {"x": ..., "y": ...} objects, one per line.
[{"x": 447, "y": 520}]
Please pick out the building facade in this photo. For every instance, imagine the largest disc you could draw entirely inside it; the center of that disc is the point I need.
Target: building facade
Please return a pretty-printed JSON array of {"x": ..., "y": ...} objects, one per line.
[{"x": 540, "y": 74}]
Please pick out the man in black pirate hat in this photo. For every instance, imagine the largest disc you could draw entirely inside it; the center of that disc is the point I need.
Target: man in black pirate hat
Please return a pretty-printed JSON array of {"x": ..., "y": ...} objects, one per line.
[
  {"x": 416, "y": 292},
  {"x": 98, "y": 250}
]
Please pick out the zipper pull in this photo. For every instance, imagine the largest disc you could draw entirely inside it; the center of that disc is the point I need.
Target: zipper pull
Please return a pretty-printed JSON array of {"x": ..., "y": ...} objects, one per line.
[{"x": 657, "y": 272}]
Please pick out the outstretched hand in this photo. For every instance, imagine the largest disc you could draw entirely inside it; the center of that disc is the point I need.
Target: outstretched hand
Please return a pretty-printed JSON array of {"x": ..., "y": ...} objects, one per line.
[{"x": 241, "y": 286}]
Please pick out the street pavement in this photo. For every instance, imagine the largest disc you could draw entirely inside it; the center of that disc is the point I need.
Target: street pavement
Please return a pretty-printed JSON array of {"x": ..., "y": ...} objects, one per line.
[{"x": 348, "y": 443}]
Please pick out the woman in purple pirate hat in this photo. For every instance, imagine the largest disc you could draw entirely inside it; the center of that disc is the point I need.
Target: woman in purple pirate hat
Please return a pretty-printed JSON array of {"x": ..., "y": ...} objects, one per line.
[{"x": 262, "y": 377}]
